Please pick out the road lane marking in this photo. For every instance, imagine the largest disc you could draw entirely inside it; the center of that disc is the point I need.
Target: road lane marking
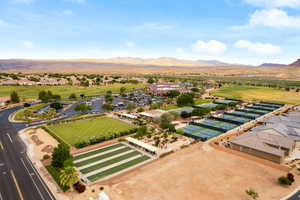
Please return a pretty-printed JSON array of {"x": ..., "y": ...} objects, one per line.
[
  {"x": 9, "y": 137},
  {"x": 30, "y": 174},
  {"x": 43, "y": 183},
  {"x": 1, "y": 198},
  {"x": 17, "y": 185},
  {"x": 1, "y": 145}
]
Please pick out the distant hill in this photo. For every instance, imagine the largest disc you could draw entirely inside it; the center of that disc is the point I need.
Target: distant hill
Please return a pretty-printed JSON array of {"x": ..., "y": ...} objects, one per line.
[
  {"x": 272, "y": 65},
  {"x": 162, "y": 61},
  {"x": 213, "y": 62},
  {"x": 295, "y": 64},
  {"x": 130, "y": 65}
]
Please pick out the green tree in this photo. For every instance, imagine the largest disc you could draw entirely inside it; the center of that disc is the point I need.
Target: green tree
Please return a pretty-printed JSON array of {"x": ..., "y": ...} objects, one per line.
[
  {"x": 107, "y": 107},
  {"x": 122, "y": 90},
  {"x": 72, "y": 96},
  {"x": 82, "y": 107},
  {"x": 56, "y": 105},
  {"x": 200, "y": 111},
  {"x": 186, "y": 99},
  {"x": 252, "y": 193},
  {"x": 172, "y": 93},
  {"x": 60, "y": 154},
  {"x": 140, "y": 109},
  {"x": 14, "y": 97},
  {"x": 150, "y": 80},
  {"x": 69, "y": 176},
  {"x": 130, "y": 106}
]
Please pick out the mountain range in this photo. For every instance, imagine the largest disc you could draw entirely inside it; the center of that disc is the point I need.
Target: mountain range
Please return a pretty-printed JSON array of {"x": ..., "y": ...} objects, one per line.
[{"x": 151, "y": 65}]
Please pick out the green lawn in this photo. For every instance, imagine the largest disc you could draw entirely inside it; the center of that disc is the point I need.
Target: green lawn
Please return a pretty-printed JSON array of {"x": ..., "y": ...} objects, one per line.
[
  {"x": 31, "y": 92},
  {"x": 201, "y": 101},
  {"x": 97, "y": 151},
  {"x": 83, "y": 130},
  {"x": 258, "y": 93},
  {"x": 101, "y": 157},
  {"x": 109, "y": 162},
  {"x": 19, "y": 116},
  {"x": 170, "y": 107},
  {"x": 118, "y": 168}
]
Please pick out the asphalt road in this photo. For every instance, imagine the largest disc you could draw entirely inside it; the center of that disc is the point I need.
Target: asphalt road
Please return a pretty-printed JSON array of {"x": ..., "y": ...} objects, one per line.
[
  {"x": 19, "y": 180},
  {"x": 295, "y": 196}
]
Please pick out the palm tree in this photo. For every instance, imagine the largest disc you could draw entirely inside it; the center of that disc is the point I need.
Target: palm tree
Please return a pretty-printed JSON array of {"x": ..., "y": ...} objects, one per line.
[{"x": 69, "y": 176}]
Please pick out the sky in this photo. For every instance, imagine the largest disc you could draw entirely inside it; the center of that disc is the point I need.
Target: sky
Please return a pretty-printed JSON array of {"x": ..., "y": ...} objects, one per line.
[{"x": 235, "y": 31}]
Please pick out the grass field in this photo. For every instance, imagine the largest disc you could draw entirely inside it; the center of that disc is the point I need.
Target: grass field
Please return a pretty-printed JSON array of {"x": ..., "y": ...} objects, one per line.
[
  {"x": 170, "y": 107},
  {"x": 258, "y": 93},
  {"x": 31, "y": 92},
  {"x": 85, "y": 129},
  {"x": 201, "y": 101},
  {"x": 19, "y": 116}
]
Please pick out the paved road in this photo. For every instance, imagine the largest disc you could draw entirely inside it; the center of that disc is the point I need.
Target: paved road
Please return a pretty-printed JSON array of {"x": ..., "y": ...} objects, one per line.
[
  {"x": 19, "y": 180},
  {"x": 296, "y": 196}
]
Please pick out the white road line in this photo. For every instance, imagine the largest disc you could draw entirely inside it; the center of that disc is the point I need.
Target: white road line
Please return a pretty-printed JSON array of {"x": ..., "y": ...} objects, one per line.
[
  {"x": 32, "y": 178},
  {"x": 1, "y": 198},
  {"x": 44, "y": 185},
  {"x": 9, "y": 137}
]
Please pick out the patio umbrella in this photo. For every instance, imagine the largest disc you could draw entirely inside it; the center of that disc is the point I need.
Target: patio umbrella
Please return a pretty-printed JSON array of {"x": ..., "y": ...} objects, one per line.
[{"x": 103, "y": 196}]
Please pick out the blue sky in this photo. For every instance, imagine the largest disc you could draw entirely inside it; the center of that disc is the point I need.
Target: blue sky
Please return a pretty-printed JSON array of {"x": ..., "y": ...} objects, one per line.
[{"x": 237, "y": 31}]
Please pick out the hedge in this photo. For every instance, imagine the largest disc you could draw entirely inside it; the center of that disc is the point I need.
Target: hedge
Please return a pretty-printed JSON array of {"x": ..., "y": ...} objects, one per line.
[
  {"x": 73, "y": 120},
  {"x": 104, "y": 138}
]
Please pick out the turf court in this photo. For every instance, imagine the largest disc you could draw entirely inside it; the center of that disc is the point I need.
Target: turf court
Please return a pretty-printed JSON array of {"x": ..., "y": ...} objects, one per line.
[
  {"x": 84, "y": 130},
  {"x": 109, "y": 160}
]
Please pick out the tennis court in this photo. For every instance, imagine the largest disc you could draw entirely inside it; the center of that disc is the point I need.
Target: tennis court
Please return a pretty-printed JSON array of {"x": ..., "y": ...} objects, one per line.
[
  {"x": 235, "y": 118},
  {"x": 263, "y": 108},
  {"x": 200, "y": 132},
  {"x": 261, "y": 112},
  {"x": 219, "y": 124},
  {"x": 246, "y": 114},
  {"x": 225, "y": 101},
  {"x": 206, "y": 105}
]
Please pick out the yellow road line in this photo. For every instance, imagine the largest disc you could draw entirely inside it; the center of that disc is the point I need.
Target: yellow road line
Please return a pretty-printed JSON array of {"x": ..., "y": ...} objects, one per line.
[
  {"x": 17, "y": 185},
  {"x": 2, "y": 147}
]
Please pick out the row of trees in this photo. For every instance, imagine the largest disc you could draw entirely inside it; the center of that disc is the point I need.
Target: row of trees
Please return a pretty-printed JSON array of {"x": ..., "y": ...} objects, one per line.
[{"x": 62, "y": 161}]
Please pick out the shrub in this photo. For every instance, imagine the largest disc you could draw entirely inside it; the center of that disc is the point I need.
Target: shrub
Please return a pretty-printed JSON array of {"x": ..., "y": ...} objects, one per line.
[
  {"x": 46, "y": 157},
  {"x": 55, "y": 173},
  {"x": 80, "y": 188},
  {"x": 291, "y": 178},
  {"x": 284, "y": 181},
  {"x": 140, "y": 109}
]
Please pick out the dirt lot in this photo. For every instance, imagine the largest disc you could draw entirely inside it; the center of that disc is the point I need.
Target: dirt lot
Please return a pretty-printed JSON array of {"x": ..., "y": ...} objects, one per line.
[{"x": 194, "y": 173}]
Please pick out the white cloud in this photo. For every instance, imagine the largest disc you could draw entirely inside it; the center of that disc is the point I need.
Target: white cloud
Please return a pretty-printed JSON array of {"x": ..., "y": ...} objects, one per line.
[
  {"x": 258, "y": 48},
  {"x": 179, "y": 50},
  {"x": 129, "y": 44},
  {"x": 28, "y": 44},
  {"x": 210, "y": 47},
  {"x": 274, "y": 18},
  {"x": 2, "y": 22},
  {"x": 67, "y": 12},
  {"x": 275, "y": 3}
]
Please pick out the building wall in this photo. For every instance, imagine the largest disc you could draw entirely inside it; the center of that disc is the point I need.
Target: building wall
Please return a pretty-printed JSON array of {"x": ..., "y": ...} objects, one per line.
[{"x": 254, "y": 152}]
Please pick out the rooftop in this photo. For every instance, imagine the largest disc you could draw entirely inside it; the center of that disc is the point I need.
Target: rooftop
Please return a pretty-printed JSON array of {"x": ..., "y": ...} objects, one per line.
[{"x": 264, "y": 142}]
